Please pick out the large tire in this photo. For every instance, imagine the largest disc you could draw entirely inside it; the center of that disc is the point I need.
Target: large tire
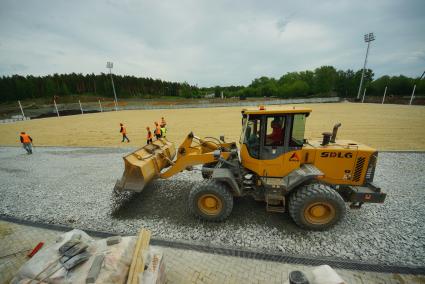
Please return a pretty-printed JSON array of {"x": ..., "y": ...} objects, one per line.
[
  {"x": 316, "y": 207},
  {"x": 211, "y": 200}
]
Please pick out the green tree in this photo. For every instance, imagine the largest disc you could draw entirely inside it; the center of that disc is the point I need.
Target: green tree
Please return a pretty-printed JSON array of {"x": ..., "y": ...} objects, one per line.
[{"x": 325, "y": 79}]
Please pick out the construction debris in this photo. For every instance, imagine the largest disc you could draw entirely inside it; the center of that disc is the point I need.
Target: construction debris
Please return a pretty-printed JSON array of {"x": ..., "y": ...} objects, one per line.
[
  {"x": 95, "y": 268},
  {"x": 35, "y": 249},
  {"x": 113, "y": 240},
  {"x": 80, "y": 259}
]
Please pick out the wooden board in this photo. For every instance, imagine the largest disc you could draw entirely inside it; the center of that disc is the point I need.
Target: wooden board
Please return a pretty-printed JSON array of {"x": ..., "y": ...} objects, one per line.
[{"x": 137, "y": 263}]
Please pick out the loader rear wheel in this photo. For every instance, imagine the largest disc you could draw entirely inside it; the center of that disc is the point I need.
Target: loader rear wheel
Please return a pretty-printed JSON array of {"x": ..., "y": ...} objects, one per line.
[
  {"x": 211, "y": 200},
  {"x": 316, "y": 207}
]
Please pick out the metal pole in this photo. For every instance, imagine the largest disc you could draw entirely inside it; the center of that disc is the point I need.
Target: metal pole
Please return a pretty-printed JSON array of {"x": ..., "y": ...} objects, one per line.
[
  {"x": 100, "y": 104},
  {"x": 113, "y": 88},
  {"x": 364, "y": 94},
  {"x": 364, "y": 67},
  {"x": 82, "y": 112},
  {"x": 20, "y": 106},
  {"x": 383, "y": 99},
  {"x": 56, "y": 107},
  {"x": 413, "y": 95}
]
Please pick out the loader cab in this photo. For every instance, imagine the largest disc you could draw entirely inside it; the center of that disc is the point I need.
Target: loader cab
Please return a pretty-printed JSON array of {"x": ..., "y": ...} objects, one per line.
[{"x": 270, "y": 135}]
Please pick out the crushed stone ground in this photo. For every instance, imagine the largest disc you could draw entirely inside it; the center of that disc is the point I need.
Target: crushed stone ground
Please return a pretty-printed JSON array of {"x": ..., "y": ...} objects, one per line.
[{"x": 73, "y": 186}]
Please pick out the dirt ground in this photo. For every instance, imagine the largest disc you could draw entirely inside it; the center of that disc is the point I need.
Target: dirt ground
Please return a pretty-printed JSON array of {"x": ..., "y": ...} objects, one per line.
[{"x": 385, "y": 127}]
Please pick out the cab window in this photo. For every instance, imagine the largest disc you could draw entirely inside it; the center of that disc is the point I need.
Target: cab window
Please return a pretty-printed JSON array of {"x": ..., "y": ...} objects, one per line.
[
  {"x": 252, "y": 136},
  {"x": 298, "y": 129},
  {"x": 275, "y": 131}
]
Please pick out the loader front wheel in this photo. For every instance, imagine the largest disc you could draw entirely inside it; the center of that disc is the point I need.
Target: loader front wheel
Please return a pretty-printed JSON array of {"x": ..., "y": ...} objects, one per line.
[
  {"x": 316, "y": 207},
  {"x": 211, "y": 201}
]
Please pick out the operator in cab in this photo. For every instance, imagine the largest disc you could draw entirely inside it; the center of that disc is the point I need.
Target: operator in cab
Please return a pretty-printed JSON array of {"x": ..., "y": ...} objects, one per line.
[{"x": 275, "y": 138}]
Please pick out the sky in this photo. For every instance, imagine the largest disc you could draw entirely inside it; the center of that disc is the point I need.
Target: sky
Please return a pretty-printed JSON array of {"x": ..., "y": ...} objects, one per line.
[{"x": 209, "y": 43}]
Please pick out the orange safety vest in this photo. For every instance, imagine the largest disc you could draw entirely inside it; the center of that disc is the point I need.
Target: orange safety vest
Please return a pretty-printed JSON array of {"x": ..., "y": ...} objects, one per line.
[
  {"x": 25, "y": 138},
  {"x": 158, "y": 130},
  {"x": 150, "y": 136},
  {"x": 123, "y": 131}
]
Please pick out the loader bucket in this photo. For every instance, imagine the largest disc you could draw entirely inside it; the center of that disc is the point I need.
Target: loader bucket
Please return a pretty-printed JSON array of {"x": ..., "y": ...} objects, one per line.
[{"x": 145, "y": 164}]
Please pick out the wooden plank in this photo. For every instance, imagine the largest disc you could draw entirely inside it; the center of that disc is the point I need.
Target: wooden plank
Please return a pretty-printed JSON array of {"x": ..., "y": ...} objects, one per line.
[
  {"x": 135, "y": 253},
  {"x": 137, "y": 262},
  {"x": 140, "y": 263}
]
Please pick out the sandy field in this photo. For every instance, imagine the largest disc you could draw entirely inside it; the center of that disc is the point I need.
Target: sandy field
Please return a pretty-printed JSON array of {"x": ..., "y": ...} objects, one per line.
[{"x": 385, "y": 127}]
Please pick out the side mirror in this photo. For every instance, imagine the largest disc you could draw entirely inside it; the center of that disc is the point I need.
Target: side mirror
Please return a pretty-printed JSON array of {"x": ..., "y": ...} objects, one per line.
[{"x": 222, "y": 138}]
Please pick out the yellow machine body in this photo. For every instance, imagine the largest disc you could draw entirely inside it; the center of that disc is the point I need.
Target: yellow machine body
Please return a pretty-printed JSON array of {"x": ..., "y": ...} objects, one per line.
[{"x": 336, "y": 161}]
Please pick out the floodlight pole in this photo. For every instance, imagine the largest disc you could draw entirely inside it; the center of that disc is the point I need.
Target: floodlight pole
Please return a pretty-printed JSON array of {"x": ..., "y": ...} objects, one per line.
[
  {"x": 367, "y": 38},
  {"x": 100, "y": 104},
  {"x": 110, "y": 65},
  {"x": 385, "y": 92}
]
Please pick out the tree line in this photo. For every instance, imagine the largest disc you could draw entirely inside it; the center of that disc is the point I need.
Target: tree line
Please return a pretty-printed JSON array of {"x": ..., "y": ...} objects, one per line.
[
  {"x": 18, "y": 87},
  {"x": 323, "y": 81}
]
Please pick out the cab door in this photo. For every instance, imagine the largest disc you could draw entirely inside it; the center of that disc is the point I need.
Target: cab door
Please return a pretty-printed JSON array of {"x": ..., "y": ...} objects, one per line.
[{"x": 278, "y": 143}]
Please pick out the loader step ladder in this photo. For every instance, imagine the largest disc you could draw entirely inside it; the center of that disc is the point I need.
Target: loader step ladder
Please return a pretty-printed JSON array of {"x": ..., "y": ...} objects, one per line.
[{"x": 275, "y": 201}]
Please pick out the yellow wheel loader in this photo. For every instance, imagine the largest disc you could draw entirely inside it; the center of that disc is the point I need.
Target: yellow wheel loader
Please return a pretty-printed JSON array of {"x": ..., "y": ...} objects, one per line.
[{"x": 274, "y": 164}]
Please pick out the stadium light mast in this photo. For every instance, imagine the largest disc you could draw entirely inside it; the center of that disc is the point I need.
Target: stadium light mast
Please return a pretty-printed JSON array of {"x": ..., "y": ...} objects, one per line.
[
  {"x": 110, "y": 65},
  {"x": 367, "y": 38}
]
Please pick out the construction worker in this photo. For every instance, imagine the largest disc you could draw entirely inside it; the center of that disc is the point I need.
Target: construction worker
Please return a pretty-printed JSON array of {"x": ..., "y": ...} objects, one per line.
[
  {"x": 149, "y": 137},
  {"x": 163, "y": 123},
  {"x": 157, "y": 130},
  {"x": 163, "y": 132},
  {"x": 123, "y": 131},
  {"x": 26, "y": 141},
  {"x": 163, "y": 127}
]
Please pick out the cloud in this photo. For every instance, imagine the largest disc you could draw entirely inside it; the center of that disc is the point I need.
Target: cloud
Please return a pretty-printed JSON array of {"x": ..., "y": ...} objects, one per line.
[
  {"x": 208, "y": 42},
  {"x": 13, "y": 68}
]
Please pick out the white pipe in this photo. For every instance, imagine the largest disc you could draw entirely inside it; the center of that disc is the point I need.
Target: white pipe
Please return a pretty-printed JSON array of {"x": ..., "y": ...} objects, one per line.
[
  {"x": 385, "y": 92},
  {"x": 20, "y": 106},
  {"x": 413, "y": 95},
  {"x": 364, "y": 93},
  {"x": 56, "y": 107}
]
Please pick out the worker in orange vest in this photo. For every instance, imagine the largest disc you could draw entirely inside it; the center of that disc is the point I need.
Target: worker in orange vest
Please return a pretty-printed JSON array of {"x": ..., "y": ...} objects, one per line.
[
  {"x": 157, "y": 130},
  {"x": 123, "y": 131},
  {"x": 26, "y": 141},
  {"x": 149, "y": 136}
]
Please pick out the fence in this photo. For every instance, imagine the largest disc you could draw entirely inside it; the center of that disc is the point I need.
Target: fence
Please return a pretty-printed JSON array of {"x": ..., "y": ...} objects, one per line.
[{"x": 78, "y": 107}]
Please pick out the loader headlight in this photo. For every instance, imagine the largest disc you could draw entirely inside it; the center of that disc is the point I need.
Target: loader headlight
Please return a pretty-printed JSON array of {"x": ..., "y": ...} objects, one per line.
[{"x": 217, "y": 154}]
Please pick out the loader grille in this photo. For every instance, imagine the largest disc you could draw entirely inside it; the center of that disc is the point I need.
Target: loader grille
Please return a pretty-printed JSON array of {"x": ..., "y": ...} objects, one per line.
[
  {"x": 359, "y": 168},
  {"x": 370, "y": 173}
]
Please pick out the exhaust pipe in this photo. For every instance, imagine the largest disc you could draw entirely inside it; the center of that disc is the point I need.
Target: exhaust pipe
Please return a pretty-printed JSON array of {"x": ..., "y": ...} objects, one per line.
[
  {"x": 334, "y": 132},
  {"x": 326, "y": 138}
]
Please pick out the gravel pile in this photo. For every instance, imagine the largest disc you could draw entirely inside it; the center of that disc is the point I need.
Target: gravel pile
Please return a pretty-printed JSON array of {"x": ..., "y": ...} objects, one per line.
[{"x": 73, "y": 186}]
